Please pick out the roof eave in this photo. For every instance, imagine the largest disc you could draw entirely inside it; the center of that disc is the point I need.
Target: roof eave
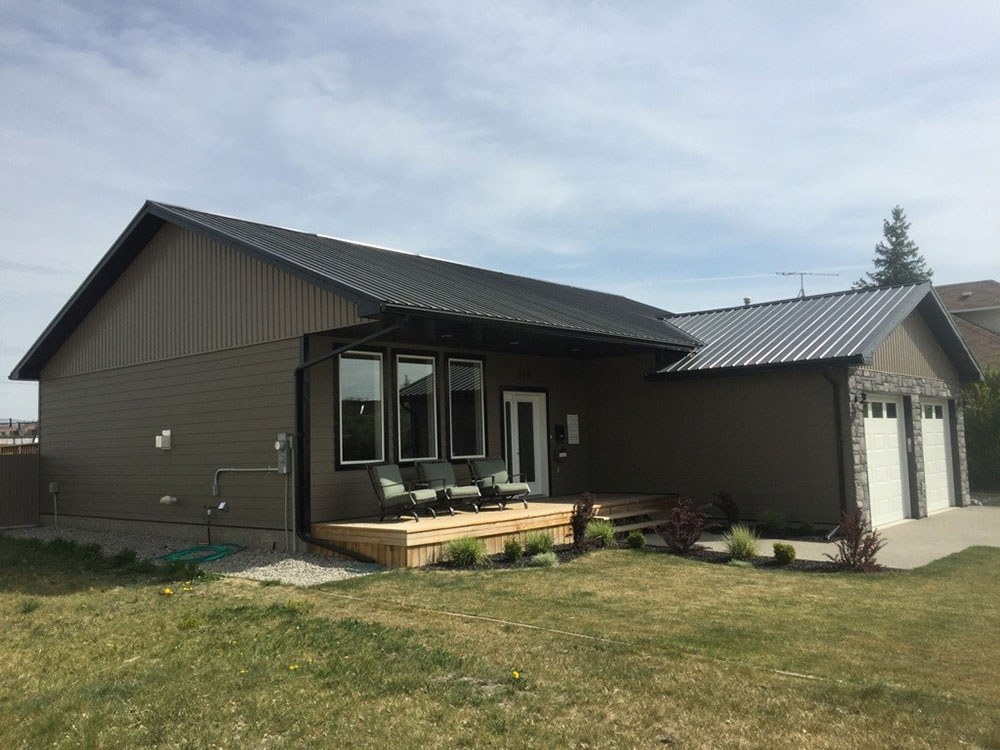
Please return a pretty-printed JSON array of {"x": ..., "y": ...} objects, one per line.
[
  {"x": 567, "y": 332},
  {"x": 848, "y": 361}
]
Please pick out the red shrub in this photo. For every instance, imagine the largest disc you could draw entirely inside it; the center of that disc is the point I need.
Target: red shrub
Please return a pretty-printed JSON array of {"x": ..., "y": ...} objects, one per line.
[
  {"x": 684, "y": 526},
  {"x": 583, "y": 512},
  {"x": 857, "y": 548}
]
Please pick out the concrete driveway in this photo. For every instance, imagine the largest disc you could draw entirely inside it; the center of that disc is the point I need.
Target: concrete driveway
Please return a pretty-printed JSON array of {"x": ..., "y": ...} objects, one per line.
[{"x": 911, "y": 544}]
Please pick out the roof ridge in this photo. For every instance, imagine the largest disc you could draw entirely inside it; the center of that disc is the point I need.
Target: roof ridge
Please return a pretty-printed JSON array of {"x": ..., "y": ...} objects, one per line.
[
  {"x": 409, "y": 253},
  {"x": 787, "y": 300}
]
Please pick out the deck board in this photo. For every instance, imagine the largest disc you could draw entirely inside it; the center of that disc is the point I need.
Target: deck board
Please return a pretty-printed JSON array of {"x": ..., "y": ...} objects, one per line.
[{"x": 409, "y": 543}]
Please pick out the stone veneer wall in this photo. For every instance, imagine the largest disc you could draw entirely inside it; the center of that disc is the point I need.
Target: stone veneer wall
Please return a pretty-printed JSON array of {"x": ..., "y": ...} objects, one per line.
[{"x": 863, "y": 380}]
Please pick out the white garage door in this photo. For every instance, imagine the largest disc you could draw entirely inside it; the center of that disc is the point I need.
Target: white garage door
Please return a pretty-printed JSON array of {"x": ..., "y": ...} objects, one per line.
[
  {"x": 937, "y": 455},
  {"x": 885, "y": 441}
]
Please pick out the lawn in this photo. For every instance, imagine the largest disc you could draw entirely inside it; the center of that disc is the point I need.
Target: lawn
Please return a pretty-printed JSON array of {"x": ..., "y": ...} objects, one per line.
[{"x": 617, "y": 649}]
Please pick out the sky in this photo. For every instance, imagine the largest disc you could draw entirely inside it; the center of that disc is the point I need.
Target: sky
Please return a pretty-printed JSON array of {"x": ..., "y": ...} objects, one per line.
[{"x": 678, "y": 153}]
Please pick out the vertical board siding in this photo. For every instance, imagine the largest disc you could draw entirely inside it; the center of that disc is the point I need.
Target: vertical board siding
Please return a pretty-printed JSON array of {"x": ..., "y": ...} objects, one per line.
[
  {"x": 18, "y": 490},
  {"x": 186, "y": 294},
  {"x": 768, "y": 439},
  {"x": 912, "y": 349},
  {"x": 223, "y": 408}
]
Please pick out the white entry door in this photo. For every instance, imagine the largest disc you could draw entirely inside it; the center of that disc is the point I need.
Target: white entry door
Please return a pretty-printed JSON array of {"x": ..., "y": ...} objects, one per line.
[
  {"x": 526, "y": 438},
  {"x": 938, "y": 476},
  {"x": 885, "y": 446}
]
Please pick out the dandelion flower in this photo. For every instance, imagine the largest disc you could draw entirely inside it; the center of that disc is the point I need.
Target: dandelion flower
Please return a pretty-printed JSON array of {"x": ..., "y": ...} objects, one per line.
[
  {"x": 515, "y": 674},
  {"x": 186, "y": 588},
  {"x": 243, "y": 671},
  {"x": 167, "y": 592},
  {"x": 293, "y": 666}
]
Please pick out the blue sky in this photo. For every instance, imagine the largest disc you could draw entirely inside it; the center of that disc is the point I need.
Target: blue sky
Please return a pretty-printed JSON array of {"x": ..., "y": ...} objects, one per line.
[{"x": 678, "y": 153}]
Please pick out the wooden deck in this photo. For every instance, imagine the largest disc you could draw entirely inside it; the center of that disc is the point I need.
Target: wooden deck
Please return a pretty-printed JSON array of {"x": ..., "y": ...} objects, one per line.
[{"x": 409, "y": 543}]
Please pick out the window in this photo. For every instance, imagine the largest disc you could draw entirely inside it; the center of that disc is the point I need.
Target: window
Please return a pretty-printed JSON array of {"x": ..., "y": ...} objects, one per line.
[
  {"x": 890, "y": 410},
  {"x": 362, "y": 414},
  {"x": 876, "y": 410},
  {"x": 466, "y": 408},
  {"x": 938, "y": 411},
  {"x": 928, "y": 411},
  {"x": 416, "y": 405}
]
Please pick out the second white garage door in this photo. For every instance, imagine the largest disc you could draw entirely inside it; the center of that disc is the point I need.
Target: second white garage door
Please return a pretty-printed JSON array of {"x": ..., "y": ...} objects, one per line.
[
  {"x": 937, "y": 455},
  {"x": 885, "y": 441}
]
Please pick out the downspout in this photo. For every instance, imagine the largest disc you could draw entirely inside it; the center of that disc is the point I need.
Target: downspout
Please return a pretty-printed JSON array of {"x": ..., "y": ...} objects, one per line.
[
  {"x": 839, "y": 431},
  {"x": 303, "y": 488}
]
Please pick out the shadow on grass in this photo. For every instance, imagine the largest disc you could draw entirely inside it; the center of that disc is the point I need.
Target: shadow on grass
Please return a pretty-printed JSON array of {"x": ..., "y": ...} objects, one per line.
[{"x": 37, "y": 568}]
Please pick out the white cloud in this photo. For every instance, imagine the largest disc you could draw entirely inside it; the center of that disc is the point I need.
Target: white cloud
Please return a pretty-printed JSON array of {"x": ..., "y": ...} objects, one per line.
[{"x": 624, "y": 146}]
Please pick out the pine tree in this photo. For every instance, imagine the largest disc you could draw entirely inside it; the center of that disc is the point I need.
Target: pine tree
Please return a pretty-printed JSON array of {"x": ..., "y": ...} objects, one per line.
[{"x": 897, "y": 257}]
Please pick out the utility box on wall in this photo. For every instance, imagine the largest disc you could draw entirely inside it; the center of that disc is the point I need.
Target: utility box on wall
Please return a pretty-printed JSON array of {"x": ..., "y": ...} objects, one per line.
[{"x": 283, "y": 445}]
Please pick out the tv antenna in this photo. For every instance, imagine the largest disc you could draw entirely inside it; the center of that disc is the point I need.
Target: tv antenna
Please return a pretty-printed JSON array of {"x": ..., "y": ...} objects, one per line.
[{"x": 802, "y": 275}]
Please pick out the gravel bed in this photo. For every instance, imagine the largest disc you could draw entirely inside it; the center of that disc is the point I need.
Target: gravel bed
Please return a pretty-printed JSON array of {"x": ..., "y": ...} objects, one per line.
[{"x": 297, "y": 569}]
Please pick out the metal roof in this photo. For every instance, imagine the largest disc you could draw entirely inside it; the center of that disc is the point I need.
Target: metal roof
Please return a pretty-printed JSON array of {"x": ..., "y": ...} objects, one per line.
[
  {"x": 840, "y": 328},
  {"x": 379, "y": 280},
  {"x": 400, "y": 281}
]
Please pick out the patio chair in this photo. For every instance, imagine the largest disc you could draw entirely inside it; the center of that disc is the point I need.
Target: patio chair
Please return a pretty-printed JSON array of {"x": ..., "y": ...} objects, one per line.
[
  {"x": 496, "y": 483},
  {"x": 396, "y": 497},
  {"x": 440, "y": 476}
]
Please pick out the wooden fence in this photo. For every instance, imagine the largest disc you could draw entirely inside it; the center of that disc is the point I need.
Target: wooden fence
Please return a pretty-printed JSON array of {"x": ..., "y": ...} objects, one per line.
[
  {"x": 23, "y": 449},
  {"x": 19, "y": 489}
]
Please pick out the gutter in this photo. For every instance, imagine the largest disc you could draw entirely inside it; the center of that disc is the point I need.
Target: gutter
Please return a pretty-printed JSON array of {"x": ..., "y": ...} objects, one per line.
[{"x": 303, "y": 489}]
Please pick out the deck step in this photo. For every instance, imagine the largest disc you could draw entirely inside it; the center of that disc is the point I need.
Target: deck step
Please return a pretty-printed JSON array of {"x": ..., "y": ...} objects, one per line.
[
  {"x": 619, "y": 515},
  {"x": 640, "y": 525}
]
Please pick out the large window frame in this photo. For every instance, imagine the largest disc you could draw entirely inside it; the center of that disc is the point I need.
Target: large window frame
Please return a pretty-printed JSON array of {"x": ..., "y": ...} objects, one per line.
[
  {"x": 435, "y": 431},
  {"x": 380, "y": 359},
  {"x": 482, "y": 408}
]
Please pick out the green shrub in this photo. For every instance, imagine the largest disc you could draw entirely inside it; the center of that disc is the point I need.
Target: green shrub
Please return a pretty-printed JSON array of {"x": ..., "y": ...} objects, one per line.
[
  {"x": 784, "y": 554},
  {"x": 741, "y": 542},
  {"x": 513, "y": 550},
  {"x": 544, "y": 559},
  {"x": 124, "y": 558},
  {"x": 467, "y": 552},
  {"x": 601, "y": 533},
  {"x": 636, "y": 539},
  {"x": 982, "y": 432},
  {"x": 771, "y": 522},
  {"x": 28, "y": 606},
  {"x": 806, "y": 528},
  {"x": 537, "y": 542}
]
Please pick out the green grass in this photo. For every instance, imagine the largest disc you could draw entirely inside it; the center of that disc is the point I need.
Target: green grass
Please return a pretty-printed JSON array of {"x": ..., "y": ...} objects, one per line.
[{"x": 629, "y": 649}]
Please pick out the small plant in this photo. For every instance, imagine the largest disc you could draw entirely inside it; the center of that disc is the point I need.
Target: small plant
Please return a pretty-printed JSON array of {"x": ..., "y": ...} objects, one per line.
[
  {"x": 583, "y": 514},
  {"x": 771, "y": 522},
  {"x": 857, "y": 548},
  {"x": 601, "y": 533},
  {"x": 124, "y": 558},
  {"x": 806, "y": 528},
  {"x": 28, "y": 606},
  {"x": 537, "y": 542},
  {"x": 741, "y": 542},
  {"x": 724, "y": 502},
  {"x": 684, "y": 526},
  {"x": 784, "y": 554},
  {"x": 544, "y": 559},
  {"x": 467, "y": 552},
  {"x": 270, "y": 582},
  {"x": 636, "y": 539},
  {"x": 740, "y": 563},
  {"x": 513, "y": 550}
]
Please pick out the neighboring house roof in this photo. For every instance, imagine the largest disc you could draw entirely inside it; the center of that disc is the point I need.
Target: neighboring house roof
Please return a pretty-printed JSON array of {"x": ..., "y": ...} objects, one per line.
[
  {"x": 839, "y": 328},
  {"x": 984, "y": 344},
  {"x": 970, "y": 295},
  {"x": 379, "y": 280}
]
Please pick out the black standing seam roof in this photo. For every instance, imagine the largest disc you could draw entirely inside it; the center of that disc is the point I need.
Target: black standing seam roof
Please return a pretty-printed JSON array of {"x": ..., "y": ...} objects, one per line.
[
  {"x": 379, "y": 280},
  {"x": 844, "y": 327},
  {"x": 404, "y": 281}
]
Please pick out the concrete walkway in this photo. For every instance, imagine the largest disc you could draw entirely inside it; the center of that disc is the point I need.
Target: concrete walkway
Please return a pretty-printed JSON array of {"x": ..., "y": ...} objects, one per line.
[{"x": 911, "y": 544}]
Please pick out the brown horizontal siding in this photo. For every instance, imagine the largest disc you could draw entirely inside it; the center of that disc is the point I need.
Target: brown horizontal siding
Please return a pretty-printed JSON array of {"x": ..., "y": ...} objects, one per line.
[
  {"x": 223, "y": 409},
  {"x": 912, "y": 349},
  {"x": 767, "y": 439},
  {"x": 18, "y": 490},
  {"x": 186, "y": 294}
]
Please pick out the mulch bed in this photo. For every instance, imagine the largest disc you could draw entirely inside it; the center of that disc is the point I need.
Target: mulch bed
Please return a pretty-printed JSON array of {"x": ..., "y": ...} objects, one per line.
[{"x": 565, "y": 554}]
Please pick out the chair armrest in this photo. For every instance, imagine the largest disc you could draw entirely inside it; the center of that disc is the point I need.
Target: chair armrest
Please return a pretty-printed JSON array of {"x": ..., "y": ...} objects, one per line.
[
  {"x": 432, "y": 482},
  {"x": 418, "y": 484},
  {"x": 519, "y": 476},
  {"x": 486, "y": 481}
]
